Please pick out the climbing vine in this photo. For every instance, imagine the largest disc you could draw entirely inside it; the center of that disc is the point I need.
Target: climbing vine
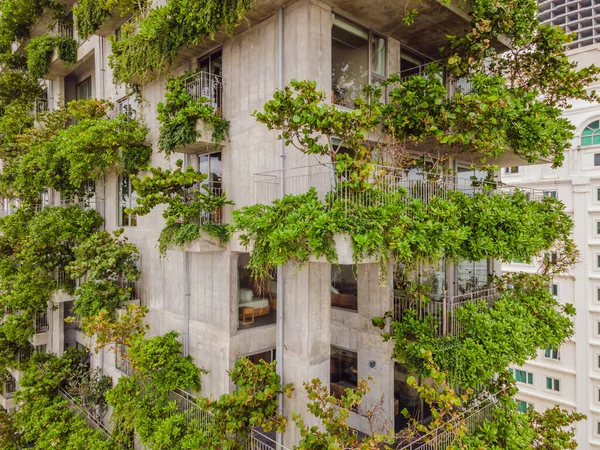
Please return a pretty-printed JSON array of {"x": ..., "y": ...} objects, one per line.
[
  {"x": 40, "y": 51},
  {"x": 179, "y": 115},
  {"x": 91, "y": 14},
  {"x": 18, "y": 16},
  {"x": 151, "y": 45}
]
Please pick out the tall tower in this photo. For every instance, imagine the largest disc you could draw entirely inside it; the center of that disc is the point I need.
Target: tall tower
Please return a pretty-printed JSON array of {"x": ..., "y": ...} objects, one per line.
[{"x": 574, "y": 16}]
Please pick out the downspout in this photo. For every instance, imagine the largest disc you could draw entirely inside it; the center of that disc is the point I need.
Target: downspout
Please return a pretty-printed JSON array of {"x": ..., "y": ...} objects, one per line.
[
  {"x": 103, "y": 203},
  {"x": 280, "y": 284},
  {"x": 186, "y": 293}
]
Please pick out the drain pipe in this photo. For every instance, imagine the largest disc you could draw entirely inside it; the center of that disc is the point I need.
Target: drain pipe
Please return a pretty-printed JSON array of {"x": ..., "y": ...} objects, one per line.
[
  {"x": 280, "y": 284},
  {"x": 186, "y": 294}
]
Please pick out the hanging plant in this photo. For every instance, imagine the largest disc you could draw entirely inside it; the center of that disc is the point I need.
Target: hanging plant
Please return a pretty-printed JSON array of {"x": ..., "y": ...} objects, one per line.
[{"x": 41, "y": 49}]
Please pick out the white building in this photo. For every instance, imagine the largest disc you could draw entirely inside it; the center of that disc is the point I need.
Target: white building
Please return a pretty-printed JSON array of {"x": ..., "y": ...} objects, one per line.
[{"x": 570, "y": 376}]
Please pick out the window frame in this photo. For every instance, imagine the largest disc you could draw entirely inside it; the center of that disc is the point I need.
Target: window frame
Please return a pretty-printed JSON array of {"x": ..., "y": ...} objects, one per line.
[
  {"x": 551, "y": 194},
  {"x": 552, "y": 354},
  {"x": 594, "y": 132},
  {"x": 131, "y": 218},
  {"x": 370, "y": 35},
  {"x": 86, "y": 80},
  {"x": 554, "y": 383},
  {"x": 511, "y": 170}
]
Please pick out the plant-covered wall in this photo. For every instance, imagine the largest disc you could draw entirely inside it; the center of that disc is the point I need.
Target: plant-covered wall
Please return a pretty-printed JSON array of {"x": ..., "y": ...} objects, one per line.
[
  {"x": 91, "y": 14},
  {"x": 151, "y": 45},
  {"x": 40, "y": 51}
]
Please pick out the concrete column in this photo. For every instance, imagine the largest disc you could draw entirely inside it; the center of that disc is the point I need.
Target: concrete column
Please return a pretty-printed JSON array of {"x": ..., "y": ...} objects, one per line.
[
  {"x": 375, "y": 297},
  {"x": 581, "y": 200},
  {"x": 307, "y": 337},
  {"x": 58, "y": 329}
]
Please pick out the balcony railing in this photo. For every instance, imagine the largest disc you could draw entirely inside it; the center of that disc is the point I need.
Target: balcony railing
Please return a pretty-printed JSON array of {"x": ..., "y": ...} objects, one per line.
[
  {"x": 40, "y": 105},
  {"x": 92, "y": 420},
  {"x": 445, "y": 435},
  {"x": 9, "y": 387},
  {"x": 64, "y": 29},
  {"x": 206, "y": 85},
  {"x": 41, "y": 322},
  {"x": 446, "y": 322},
  {"x": 214, "y": 217},
  {"x": 331, "y": 185},
  {"x": 453, "y": 85},
  {"x": 200, "y": 419},
  {"x": 124, "y": 366}
]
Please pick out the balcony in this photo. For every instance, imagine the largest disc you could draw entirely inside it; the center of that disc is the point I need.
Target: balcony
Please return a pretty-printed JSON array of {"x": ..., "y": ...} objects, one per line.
[
  {"x": 481, "y": 409},
  {"x": 198, "y": 418},
  {"x": 203, "y": 85},
  {"x": 40, "y": 106},
  {"x": 90, "y": 417},
  {"x": 330, "y": 185},
  {"x": 41, "y": 329},
  {"x": 445, "y": 322},
  {"x": 9, "y": 387},
  {"x": 60, "y": 68}
]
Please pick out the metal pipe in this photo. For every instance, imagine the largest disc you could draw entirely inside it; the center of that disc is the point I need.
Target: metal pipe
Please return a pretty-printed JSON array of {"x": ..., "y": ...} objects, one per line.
[
  {"x": 186, "y": 303},
  {"x": 280, "y": 284}
]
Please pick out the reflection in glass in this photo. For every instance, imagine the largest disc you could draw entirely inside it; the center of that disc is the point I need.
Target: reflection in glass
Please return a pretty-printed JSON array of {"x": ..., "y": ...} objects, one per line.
[{"x": 350, "y": 61}]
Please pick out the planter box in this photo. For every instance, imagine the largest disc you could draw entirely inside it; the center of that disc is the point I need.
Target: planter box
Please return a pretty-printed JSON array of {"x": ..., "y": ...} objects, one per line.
[
  {"x": 206, "y": 243},
  {"x": 204, "y": 142},
  {"x": 345, "y": 252}
]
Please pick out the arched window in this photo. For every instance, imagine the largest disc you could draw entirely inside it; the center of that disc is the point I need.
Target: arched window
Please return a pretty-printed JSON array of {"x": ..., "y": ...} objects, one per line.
[{"x": 591, "y": 134}]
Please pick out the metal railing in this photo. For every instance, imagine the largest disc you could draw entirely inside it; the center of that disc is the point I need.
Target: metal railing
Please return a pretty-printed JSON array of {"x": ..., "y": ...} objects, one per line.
[
  {"x": 446, "y": 322},
  {"x": 445, "y": 435},
  {"x": 206, "y": 85},
  {"x": 93, "y": 421},
  {"x": 41, "y": 322},
  {"x": 40, "y": 105},
  {"x": 124, "y": 366},
  {"x": 453, "y": 85},
  {"x": 200, "y": 419},
  {"x": 214, "y": 217},
  {"x": 382, "y": 181},
  {"x": 9, "y": 387},
  {"x": 64, "y": 29}
]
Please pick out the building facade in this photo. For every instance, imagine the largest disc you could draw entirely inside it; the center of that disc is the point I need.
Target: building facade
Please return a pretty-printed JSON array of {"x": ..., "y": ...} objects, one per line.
[{"x": 204, "y": 290}]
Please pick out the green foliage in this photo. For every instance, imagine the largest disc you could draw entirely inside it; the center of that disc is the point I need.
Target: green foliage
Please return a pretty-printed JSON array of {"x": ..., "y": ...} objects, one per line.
[
  {"x": 46, "y": 420},
  {"x": 34, "y": 245},
  {"x": 18, "y": 86},
  {"x": 252, "y": 404},
  {"x": 526, "y": 318},
  {"x": 107, "y": 265},
  {"x": 91, "y": 14},
  {"x": 305, "y": 121},
  {"x": 401, "y": 226},
  {"x": 155, "y": 41},
  {"x": 190, "y": 209},
  {"x": 510, "y": 429},
  {"x": 62, "y": 156},
  {"x": 41, "y": 49},
  {"x": 141, "y": 402},
  {"x": 18, "y": 16},
  {"x": 179, "y": 114}
]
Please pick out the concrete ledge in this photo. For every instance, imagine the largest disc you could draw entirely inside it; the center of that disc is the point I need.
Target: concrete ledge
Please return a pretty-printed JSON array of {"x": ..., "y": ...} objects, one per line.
[
  {"x": 345, "y": 252},
  {"x": 204, "y": 142},
  {"x": 206, "y": 243}
]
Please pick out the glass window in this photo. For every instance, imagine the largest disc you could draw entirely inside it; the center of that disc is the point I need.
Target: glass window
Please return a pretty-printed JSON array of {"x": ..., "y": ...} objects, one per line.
[
  {"x": 555, "y": 289},
  {"x": 344, "y": 287},
  {"x": 597, "y": 227},
  {"x": 523, "y": 376},
  {"x": 127, "y": 199},
  {"x": 257, "y": 299},
  {"x": 472, "y": 275},
  {"x": 597, "y": 159},
  {"x": 522, "y": 406},
  {"x": 553, "y": 384},
  {"x": 84, "y": 89},
  {"x": 591, "y": 136},
  {"x": 268, "y": 357},
  {"x": 598, "y": 294},
  {"x": 411, "y": 64},
  {"x": 209, "y": 83},
  {"x": 598, "y": 261},
  {"x": 513, "y": 169},
  {"x": 358, "y": 58},
  {"x": 552, "y": 194},
  {"x": 128, "y": 106},
  {"x": 552, "y": 353},
  {"x": 343, "y": 371}
]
